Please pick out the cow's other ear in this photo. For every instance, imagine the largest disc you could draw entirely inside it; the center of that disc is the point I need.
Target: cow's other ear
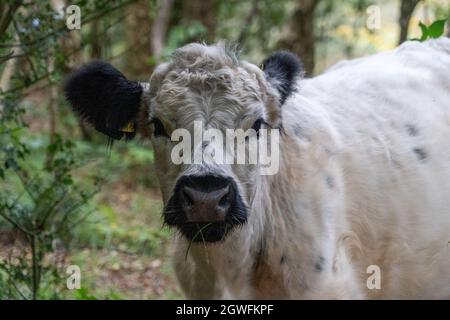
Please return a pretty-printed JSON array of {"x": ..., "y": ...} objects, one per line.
[
  {"x": 282, "y": 69},
  {"x": 104, "y": 97}
]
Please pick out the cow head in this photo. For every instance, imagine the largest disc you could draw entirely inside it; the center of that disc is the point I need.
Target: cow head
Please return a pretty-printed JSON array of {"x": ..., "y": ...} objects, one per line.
[{"x": 201, "y": 88}]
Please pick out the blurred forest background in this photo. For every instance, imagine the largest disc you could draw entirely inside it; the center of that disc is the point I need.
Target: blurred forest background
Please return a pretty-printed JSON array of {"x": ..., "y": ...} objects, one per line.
[{"x": 65, "y": 199}]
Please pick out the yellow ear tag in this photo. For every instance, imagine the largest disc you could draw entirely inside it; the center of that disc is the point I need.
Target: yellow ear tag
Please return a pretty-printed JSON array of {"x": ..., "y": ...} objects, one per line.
[{"x": 128, "y": 128}]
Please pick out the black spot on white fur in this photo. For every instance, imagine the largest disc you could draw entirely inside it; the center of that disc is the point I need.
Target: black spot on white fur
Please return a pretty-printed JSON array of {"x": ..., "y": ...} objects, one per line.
[
  {"x": 298, "y": 130},
  {"x": 412, "y": 130},
  {"x": 330, "y": 182},
  {"x": 104, "y": 97},
  {"x": 319, "y": 265},
  {"x": 282, "y": 70},
  {"x": 420, "y": 153}
]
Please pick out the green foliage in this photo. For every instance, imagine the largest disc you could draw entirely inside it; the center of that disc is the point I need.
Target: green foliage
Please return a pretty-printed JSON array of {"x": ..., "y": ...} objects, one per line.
[
  {"x": 41, "y": 200},
  {"x": 433, "y": 31},
  {"x": 42, "y": 204},
  {"x": 83, "y": 294}
]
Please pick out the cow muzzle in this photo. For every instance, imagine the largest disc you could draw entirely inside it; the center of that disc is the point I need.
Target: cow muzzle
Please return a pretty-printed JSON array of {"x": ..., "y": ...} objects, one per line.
[{"x": 205, "y": 207}]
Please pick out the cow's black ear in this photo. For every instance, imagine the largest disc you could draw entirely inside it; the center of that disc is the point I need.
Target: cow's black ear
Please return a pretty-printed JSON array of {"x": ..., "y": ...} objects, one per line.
[
  {"x": 100, "y": 94},
  {"x": 282, "y": 69}
]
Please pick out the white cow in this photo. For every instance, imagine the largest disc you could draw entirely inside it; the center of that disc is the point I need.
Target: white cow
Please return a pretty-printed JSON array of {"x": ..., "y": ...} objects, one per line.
[{"x": 360, "y": 207}]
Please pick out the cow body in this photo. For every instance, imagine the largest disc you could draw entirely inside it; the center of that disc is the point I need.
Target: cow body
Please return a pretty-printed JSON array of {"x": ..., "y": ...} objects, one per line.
[
  {"x": 364, "y": 180},
  {"x": 360, "y": 206}
]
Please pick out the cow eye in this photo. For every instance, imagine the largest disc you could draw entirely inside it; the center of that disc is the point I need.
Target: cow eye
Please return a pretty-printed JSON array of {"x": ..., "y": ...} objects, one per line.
[{"x": 159, "y": 128}]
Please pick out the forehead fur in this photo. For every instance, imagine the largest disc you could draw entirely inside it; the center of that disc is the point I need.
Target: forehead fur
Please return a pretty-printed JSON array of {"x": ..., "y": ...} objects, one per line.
[
  {"x": 200, "y": 57},
  {"x": 201, "y": 79},
  {"x": 198, "y": 64}
]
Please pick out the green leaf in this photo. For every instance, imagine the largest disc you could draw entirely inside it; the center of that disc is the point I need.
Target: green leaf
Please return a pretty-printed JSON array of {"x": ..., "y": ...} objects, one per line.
[
  {"x": 424, "y": 29},
  {"x": 436, "y": 29}
]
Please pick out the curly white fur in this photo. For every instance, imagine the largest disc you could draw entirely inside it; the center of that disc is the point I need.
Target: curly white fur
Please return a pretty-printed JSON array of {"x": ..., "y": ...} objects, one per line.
[{"x": 364, "y": 176}]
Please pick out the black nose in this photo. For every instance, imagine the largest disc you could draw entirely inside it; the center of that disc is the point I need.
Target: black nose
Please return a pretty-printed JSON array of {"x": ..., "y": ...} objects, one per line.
[
  {"x": 205, "y": 207},
  {"x": 205, "y": 198}
]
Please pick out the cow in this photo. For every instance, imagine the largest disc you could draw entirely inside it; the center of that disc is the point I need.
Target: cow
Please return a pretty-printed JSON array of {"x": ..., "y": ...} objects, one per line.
[{"x": 360, "y": 205}]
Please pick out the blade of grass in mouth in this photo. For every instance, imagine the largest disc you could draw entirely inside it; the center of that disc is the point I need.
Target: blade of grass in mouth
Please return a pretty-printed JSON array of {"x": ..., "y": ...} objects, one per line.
[{"x": 195, "y": 237}]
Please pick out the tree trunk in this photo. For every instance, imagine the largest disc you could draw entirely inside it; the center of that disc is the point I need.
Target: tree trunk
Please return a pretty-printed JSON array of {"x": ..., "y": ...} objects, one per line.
[
  {"x": 159, "y": 29},
  {"x": 203, "y": 11},
  {"x": 96, "y": 50},
  {"x": 251, "y": 16},
  {"x": 95, "y": 41},
  {"x": 138, "y": 25},
  {"x": 10, "y": 69},
  {"x": 406, "y": 10},
  {"x": 300, "y": 38},
  {"x": 70, "y": 46},
  {"x": 7, "y": 11},
  {"x": 53, "y": 101}
]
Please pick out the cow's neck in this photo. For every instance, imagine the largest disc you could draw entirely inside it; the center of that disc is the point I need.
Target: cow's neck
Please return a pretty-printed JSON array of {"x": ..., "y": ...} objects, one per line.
[{"x": 254, "y": 254}]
